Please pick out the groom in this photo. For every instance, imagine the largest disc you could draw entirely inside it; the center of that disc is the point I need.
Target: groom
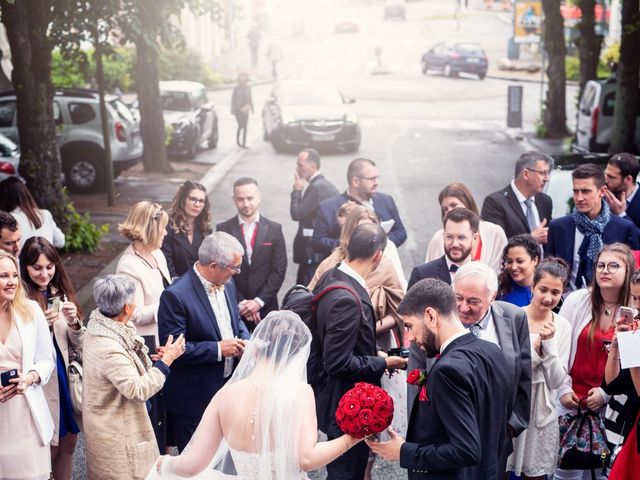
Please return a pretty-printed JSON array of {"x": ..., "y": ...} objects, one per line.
[
  {"x": 202, "y": 305},
  {"x": 460, "y": 416}
]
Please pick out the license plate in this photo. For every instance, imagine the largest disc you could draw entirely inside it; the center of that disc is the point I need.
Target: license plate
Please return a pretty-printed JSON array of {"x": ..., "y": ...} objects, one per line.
[
  {"x": 323, "y": 138},
  {"x": 473, "y": 60}
]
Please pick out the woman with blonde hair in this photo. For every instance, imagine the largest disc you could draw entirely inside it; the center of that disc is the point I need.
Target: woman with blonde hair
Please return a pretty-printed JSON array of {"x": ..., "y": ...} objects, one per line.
[
  {"x": 28, "y": 358},
  {"x": 49, "y": 285},
  {"x": 145, "y": 264}
]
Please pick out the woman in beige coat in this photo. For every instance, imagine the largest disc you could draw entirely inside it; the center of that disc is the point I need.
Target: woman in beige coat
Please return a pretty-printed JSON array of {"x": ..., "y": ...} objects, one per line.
[
  {"x": 47, "y": 283},
  {"x": 118, "y": 380}
]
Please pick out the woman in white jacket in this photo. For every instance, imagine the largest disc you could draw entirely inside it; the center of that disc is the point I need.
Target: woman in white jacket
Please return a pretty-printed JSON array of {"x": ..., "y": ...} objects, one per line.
[
  {"x": 592, "y": 313},
  {"x": 536, "y": 449},
  {"x": 26, "y": 426}
]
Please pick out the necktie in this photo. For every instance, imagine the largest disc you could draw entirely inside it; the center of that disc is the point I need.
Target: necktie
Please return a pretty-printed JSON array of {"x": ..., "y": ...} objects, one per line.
[
  {"x": 475, "y": 329},
  {"x": 531, "y": 219}
]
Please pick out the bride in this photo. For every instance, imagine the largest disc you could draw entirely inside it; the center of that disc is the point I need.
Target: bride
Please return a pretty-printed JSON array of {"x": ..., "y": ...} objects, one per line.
[{"x": 264, "y": 418}]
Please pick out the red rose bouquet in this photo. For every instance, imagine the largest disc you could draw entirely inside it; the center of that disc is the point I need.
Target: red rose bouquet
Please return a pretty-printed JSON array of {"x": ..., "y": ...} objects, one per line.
[{"x": 364, "y": 410}]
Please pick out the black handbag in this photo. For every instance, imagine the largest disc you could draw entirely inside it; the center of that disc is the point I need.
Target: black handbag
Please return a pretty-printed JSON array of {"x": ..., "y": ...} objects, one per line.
[{"x": 583, "y": 444}]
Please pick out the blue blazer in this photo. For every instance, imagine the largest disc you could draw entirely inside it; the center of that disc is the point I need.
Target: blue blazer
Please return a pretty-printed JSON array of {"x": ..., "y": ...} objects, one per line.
[
  {"x": 562, "y": 236},
  {"x": 326, "y": 230},
  {"x": 633, "y": 209},
  {"x": 197, "y": 375}
]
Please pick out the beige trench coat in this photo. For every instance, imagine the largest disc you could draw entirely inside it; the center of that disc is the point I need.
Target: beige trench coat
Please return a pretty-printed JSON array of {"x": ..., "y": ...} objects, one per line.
[
  {"x": 67, "y": 338},
  {"x": 119, "y": 438}
]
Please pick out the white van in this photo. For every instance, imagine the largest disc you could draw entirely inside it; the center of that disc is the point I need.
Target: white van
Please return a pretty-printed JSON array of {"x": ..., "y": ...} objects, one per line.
[{"x": 595, "y": 117}]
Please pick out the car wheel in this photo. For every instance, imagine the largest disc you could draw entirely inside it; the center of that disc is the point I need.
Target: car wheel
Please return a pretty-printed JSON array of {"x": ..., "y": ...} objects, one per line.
[
  {"x": 83, "y": 173},
  {"x": 447, "y": 71},
  {"x": 278, "y": 143},
  {"x": 482, "y": 75},
  {"x": 213, "y": 138},
  {"x": 425, "y": 67}
]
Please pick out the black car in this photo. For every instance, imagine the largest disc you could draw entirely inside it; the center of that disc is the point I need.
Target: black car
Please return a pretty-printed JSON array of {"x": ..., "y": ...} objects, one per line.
[
  {"x": 455, "y": 58},
  {"x": 303, "y": 113},
  {"x": 189, "y": 116}
]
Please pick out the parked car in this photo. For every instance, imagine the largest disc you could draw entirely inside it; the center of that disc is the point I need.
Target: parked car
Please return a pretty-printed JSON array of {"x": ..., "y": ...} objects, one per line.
[
  {"x": 594, "y": 129},
  {"x": 395, "y": 9},
  {"x": 453, "y": 58},
  {"x": 9, "y": 158},
  {"x": 191, "y": 116},
  {"x": 304, "y": 113},
  {"x": 346, "y": 26},
  {"x": 79, "y": 135}
]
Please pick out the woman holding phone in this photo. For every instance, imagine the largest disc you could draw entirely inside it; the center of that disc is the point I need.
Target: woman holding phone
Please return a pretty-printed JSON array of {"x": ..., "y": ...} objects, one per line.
[
  {"x": 26, "y": 426},
  {"x": 49, "y": 286}
]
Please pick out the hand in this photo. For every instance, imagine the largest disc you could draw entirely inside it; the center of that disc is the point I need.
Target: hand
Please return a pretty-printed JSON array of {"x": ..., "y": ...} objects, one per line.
[
  {"x": 540, "y": 232},
  {"x": 595, "y": 399},
  {"x": 51, "y": 316},
  {"x": 173, "y": 349},
  {"x": 248, "y": 307},
  {"x": 298, "y": 182},
  {"x": 24, "y": 381},
  {"x": 570, "y": 400},
  {"x": 8, "y": 392},
  {"x": 159, "y": 463},
  {"x": 617, "y": 205},
  {"x": 396, "y": 363},
  {"x": 70, "y": 312},
  {"x": 388, "y": 450},
  {"x": 547, "y": 330},
  {"x": 253, "y": 318},
  {"x": 232, "y": 347}
]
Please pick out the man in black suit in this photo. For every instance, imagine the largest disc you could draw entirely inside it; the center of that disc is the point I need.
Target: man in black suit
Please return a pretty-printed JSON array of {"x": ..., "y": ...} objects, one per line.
[
  {"x": 310, "y": 187},
  {"x": 460, "y": 235},
  {"x": 620, "y": 177},
  {"x": 505, "y": 325},
  {"x": 460, "y": 416},
  {"x": 264, "y": 263},
  {"x": 522, "y": 207},
  {"x": 202, "y": 305},
  {"x": 347, "y": 340}
]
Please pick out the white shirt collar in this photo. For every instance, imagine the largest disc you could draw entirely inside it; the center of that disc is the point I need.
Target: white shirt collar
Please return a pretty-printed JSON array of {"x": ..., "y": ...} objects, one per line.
[
  {"x": 205, "y": 283},
  {"x": 521, "y": 198},
  {"x": 452, "y": 338},
  {"x": 344, "y": 268},
  {"x": 449, "y": 262},
  {"x": 244, "y": 222}
]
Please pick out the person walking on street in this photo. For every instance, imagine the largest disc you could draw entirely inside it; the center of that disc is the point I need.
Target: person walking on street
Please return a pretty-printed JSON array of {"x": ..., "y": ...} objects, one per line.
[{"x": 241, "y": 105}]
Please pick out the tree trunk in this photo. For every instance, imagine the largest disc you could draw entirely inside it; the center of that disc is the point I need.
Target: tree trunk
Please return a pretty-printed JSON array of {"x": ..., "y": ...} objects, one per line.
[
  {"x": 626, "y": 106},
  {"x": 589, "y": 43},
  {"x": 148, "y": 88},
  {"x": 555, "y": 113},
  {"x": 26, "y": 23}
]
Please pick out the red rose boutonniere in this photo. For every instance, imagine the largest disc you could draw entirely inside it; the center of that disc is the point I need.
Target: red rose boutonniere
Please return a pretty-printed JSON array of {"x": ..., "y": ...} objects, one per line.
[{"x": 416, "y": 377}]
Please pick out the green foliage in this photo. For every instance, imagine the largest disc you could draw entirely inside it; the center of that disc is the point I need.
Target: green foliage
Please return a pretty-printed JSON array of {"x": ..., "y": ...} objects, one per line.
[
  {"x": 540, "y": 129},
  {"x": 186, "y": 64},
  {"x": 572, "y": 68},
  {"x": 81, "y": 233},
  {"x": 66, "y": 73},
  {"x": 611, "y": 54}
]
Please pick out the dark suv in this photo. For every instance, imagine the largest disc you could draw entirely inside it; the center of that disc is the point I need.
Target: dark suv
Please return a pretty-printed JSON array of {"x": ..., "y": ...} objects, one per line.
[{"x": 79, "y": 135}]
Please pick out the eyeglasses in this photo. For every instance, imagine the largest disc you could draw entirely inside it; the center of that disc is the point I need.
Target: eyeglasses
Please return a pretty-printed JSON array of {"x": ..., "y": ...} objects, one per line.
[
  {"x": 543, "y": 173},
  {"x": 236, "y": 270},
  {"x": 196, "y": 200},
  {"x": 371, "y": 179},
  {"x": 611, "y": 267}
]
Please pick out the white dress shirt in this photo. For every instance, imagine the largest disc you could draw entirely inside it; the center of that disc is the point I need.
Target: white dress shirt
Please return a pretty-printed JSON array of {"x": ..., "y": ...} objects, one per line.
[
  {"x": 522, "y": 199},
  {"x": 218, "y": 302},
  {"x": 248, "y": 229},
  {"x": 489, "y": 333},
  {"x": 452, "y": 338},
  {"x": 344, "y": 268}
]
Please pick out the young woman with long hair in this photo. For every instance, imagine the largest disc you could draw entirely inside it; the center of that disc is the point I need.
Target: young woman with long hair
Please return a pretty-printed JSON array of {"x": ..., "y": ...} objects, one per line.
[
  {"x": 44, "y": 279},
  {"x": 519, "y": 260}
]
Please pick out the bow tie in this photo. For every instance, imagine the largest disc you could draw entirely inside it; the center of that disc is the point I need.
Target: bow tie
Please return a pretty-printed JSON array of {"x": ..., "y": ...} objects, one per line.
[
  {"x": 453, "y": 268},
  {"x": 214, "y": 289}
]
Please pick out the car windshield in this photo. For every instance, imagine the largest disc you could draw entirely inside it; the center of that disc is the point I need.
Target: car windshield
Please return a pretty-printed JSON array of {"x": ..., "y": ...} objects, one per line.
[
  {"x": 177, "y": 101},
  {"x": 122, "y": 110},
  {"x": 470, "y": 49},
  {"x": 305, "y": 94}
]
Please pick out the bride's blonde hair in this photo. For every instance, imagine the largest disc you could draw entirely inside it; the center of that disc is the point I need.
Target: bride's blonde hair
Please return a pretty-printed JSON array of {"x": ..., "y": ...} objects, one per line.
[{"x": 20, "y": 304}]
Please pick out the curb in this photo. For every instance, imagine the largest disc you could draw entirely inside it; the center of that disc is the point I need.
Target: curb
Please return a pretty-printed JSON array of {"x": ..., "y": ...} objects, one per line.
[{"x": 210, "y": 180}]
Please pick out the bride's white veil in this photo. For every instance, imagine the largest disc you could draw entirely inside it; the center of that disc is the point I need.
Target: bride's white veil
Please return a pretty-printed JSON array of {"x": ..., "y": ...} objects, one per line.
[{"x": 274, "y": 362}]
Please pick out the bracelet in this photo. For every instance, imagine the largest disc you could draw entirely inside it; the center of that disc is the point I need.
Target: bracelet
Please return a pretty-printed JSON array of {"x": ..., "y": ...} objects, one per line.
[{"x": 613, "y": 358}]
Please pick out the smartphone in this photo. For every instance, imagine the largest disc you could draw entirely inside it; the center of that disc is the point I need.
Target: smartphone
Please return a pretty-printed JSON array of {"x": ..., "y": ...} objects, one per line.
[
  {"x": 150, "y": 342},
  {"x": 398, "y": 352},
  {"x": 54, "y": 304},
  {"x": 626, "y": 315},
  {"x": 8, "y": 375}
]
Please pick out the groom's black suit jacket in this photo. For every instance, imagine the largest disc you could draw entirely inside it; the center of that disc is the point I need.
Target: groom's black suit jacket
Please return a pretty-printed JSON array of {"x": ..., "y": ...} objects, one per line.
[
  {"x": 348, "y": 342},
  {"x": 458, "y": 433}
]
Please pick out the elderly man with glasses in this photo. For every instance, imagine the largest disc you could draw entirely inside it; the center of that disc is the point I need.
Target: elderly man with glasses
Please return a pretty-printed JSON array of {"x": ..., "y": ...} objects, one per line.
[
  {"x": 522, "y": 206},
  {"x": 363, "y": 180},
  {"x": 202, "y": 305}
]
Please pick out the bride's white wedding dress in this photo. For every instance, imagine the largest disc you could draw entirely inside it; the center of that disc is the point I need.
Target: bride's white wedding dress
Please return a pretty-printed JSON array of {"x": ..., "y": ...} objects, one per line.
[{"x": 250, "y": 465}]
